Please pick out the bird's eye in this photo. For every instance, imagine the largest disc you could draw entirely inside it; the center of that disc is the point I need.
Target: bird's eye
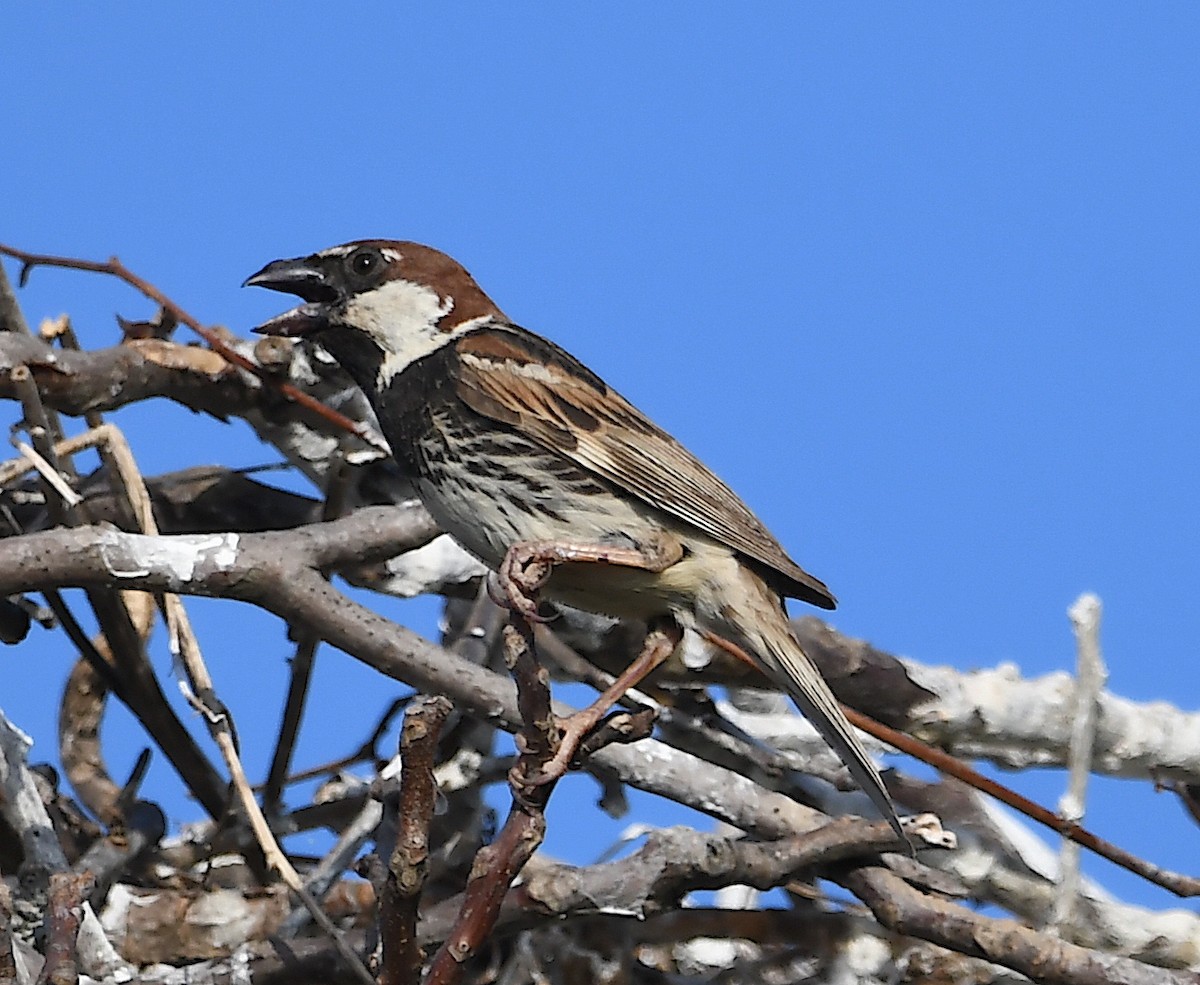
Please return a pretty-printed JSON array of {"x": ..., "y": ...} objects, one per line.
[{"x": 364, "y": 262}]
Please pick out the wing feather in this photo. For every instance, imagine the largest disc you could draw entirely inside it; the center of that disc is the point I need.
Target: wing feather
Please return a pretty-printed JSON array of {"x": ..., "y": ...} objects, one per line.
[{"x": 522, "y": 380}]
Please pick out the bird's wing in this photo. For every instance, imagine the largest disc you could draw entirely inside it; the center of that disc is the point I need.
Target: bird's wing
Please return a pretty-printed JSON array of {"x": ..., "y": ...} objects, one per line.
[{"x": 528, "y": 383}]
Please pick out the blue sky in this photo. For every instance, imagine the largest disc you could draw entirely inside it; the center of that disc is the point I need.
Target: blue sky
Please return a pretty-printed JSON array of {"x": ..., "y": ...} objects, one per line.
[{"x": 920, "y": 282}]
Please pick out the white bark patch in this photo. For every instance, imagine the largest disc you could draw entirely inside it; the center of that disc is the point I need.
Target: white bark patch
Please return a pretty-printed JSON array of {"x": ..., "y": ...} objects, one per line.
[
  {"x": 1019, "y": 722},
  {"x": 439, "y": 563},
  {"x": 135, "y": 556}
]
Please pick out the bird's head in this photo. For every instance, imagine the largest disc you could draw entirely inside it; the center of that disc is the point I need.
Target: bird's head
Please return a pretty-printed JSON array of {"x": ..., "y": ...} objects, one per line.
[{"x": 377, "y": 305}]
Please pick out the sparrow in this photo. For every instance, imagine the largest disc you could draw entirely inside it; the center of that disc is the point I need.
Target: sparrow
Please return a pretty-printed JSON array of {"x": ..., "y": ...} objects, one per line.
[{"x": 533, "y": 463}]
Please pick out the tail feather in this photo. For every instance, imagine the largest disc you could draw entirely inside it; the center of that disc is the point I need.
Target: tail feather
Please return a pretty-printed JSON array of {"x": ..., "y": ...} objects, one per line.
[
  {"x": 788, "y": 664},
  {"x": 735, "y": 608}
]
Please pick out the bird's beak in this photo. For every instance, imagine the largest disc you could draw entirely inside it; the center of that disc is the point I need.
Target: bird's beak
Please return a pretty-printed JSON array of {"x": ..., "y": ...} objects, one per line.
[{"x": 307, "y": 279}]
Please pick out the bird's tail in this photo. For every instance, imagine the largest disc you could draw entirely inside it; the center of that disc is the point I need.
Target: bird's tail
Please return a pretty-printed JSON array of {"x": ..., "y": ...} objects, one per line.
[{"x": 769, "y": 641}]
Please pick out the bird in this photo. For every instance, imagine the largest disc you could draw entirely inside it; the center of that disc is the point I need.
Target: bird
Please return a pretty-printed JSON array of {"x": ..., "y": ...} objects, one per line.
[{"x": 549, "y": 476}]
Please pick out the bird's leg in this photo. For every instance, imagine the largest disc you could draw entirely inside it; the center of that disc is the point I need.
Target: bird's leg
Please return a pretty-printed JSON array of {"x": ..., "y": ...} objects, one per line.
[
  {"x": 731, "y": 648},
  {"x": 660, "y": 643},
  {"x": 527, "y": 567}
]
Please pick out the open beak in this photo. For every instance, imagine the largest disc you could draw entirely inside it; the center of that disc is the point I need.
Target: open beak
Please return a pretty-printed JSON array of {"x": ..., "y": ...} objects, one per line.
[{"x": 307, "y": 279}]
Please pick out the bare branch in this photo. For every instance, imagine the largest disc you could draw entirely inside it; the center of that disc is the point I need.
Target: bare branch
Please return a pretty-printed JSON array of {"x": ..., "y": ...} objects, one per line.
[
  {"x": 115, "y": 268},
  {"x": 1042, "y": 957},
  {"x": 1178, "y": 883},
  {"x": 278, "y": 571},
  {"x": 677, "y": 861},
  {"x": 402, "y": 957},
  {"x": 1085, "y": 618},
  {"x": 64, "y": 911},
  {"x": 275, "y": 570}
]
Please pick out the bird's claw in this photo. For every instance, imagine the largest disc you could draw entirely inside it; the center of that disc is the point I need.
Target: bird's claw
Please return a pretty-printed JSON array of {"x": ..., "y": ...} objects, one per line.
[{"x": 517, "y": 582}]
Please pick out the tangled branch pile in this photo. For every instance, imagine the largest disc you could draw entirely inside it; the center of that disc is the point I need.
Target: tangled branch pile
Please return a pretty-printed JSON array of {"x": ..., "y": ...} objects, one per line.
[{"x": 418, "y": 884}]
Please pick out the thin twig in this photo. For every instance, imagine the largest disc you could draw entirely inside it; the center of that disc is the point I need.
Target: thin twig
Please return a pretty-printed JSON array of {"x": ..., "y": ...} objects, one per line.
[
  {"x": 49, "y": 474},
  {"x": 93, "y": 418},
  {"x": 323, "y": 876},
  {"x": 1176, "y": 882},
  {"x": 51, "y": 422},
  {"x": 366, "y": 753},
  {"x": 63, "y": 509},
  {"x": 289, "y": 728},
  {"x": 300, "y": 678},
  {"x": 1090, "y": 677},
  {"x": 115, "y": 268},
  {"x": 79, "y": 638}
]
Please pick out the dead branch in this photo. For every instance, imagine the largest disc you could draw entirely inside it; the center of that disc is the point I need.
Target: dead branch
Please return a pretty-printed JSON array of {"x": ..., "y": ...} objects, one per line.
[
  {"x": 402, "y": 956},
  {"x": 280, "y": 572},
  {"x": 1085, "y": 619},
  {"x": 63, "y": 914},
  {"x": 1178, "y": 883},
  {"x": 497, "y": 864},
  {"x": 672, "y": 863},
  {"x": 277, "y": 571},
  {"x": 1041, "y": 956},
  {"x": 115, "y": 268}
]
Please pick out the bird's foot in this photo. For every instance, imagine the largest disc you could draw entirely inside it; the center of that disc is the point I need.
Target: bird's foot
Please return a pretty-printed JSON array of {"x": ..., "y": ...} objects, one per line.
[
  {"x": 528, "y": 565},
  {"x": 522, "y": 573},
  {"x": 572, "y": 731},
  {"x": 581, "y": 732}
]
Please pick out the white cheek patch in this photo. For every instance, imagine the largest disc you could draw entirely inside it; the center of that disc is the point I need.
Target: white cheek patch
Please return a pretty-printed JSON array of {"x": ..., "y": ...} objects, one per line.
[{"x": 401, "y": 317}]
